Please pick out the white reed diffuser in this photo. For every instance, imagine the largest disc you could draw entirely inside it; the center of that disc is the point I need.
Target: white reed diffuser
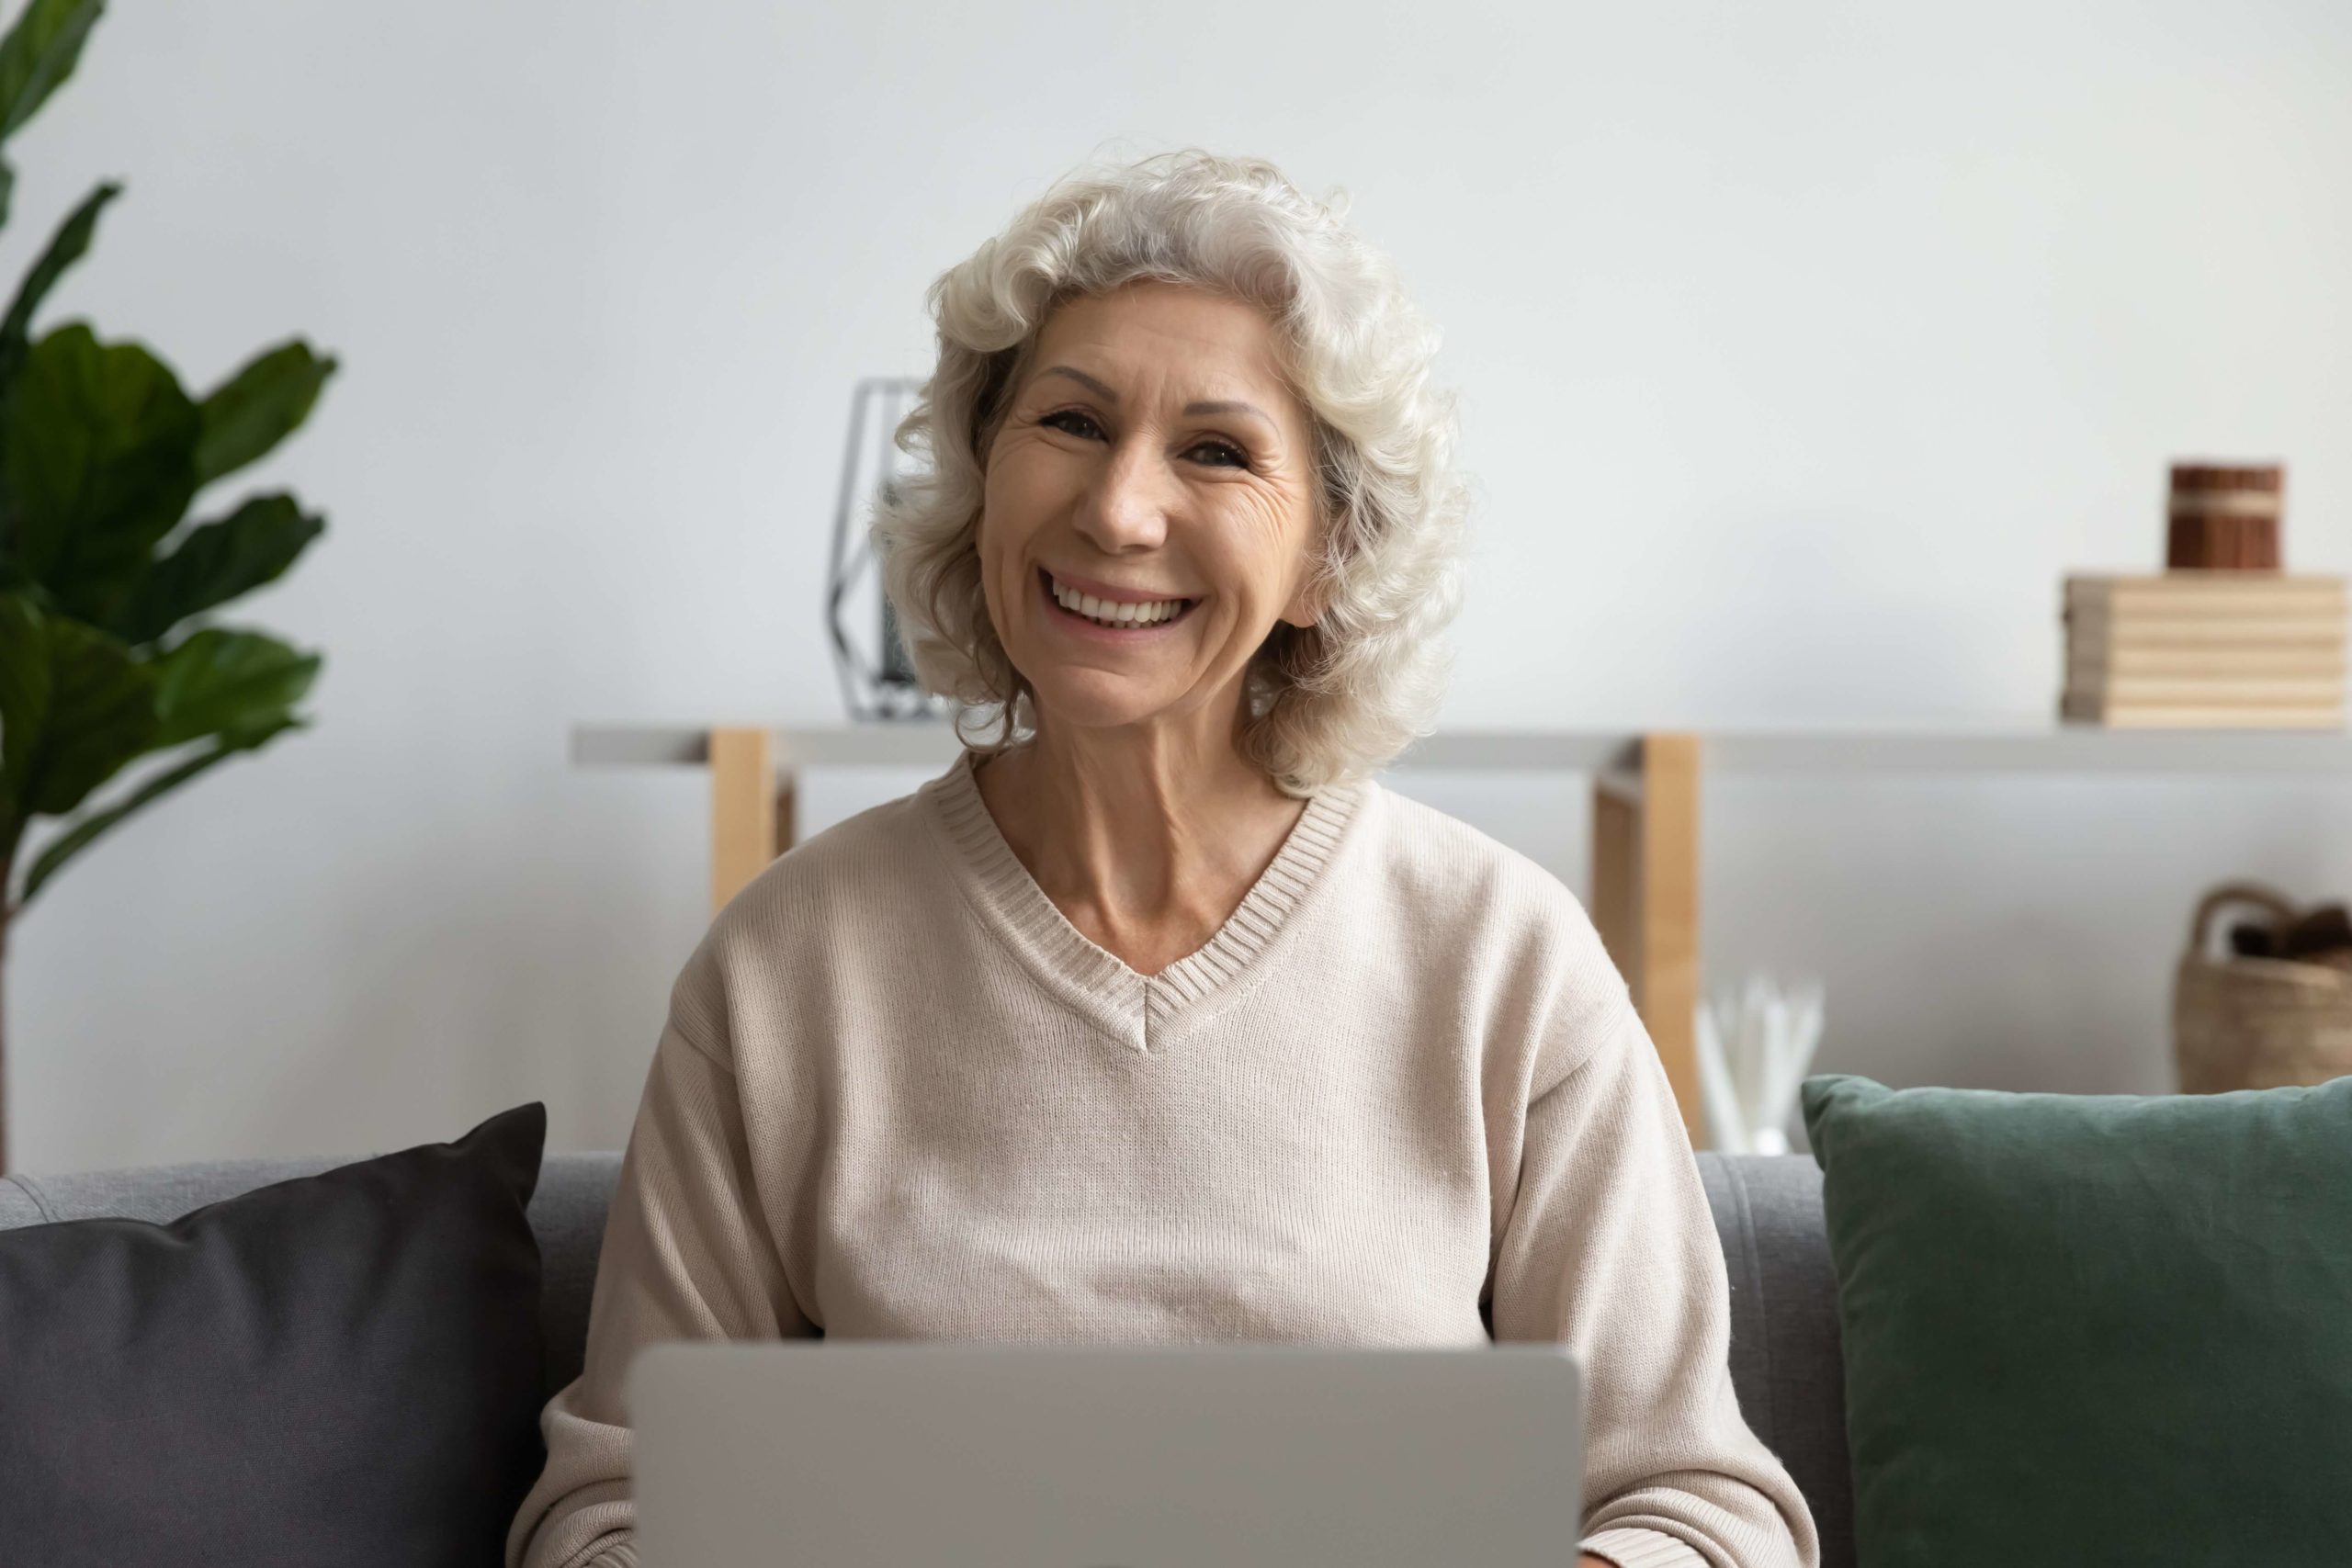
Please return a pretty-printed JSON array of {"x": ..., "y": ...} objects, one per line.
[{"x": 1754, "y": 1048}]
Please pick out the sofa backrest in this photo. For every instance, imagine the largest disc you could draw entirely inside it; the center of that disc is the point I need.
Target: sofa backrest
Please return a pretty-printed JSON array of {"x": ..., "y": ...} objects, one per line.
[
  {"x": 1786, "y": 1357},
  {"x": 1784, "y": 1344}
]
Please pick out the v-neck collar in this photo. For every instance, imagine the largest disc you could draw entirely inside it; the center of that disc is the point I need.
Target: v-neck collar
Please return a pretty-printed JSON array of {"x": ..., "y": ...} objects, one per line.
[{"x": 1146, "y": 1012}]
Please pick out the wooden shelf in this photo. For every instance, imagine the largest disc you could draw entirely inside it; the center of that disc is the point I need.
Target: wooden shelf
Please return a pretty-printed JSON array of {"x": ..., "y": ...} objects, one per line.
[
  {"x": 1645, "y": 804},
  {"x": 2053, "y": 749}
]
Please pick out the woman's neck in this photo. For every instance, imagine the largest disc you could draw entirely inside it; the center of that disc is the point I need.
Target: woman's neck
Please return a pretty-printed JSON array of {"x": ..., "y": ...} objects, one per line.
[{"x": 1146, "y": 854}]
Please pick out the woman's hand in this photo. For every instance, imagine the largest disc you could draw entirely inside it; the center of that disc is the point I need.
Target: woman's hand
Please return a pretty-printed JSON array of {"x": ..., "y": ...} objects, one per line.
[{"x": 1587, "y": 1560}]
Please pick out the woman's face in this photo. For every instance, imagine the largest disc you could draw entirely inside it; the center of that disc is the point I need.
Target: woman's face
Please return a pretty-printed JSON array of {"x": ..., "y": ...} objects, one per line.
[{"x": 1153, "y": 447}]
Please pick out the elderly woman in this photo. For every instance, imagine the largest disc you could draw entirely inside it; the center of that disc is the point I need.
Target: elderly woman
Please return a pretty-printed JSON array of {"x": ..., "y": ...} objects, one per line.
[{"x": 1157, "y": 1017}]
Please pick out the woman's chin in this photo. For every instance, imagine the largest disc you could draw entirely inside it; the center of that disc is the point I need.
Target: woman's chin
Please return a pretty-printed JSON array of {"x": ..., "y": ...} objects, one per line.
[{"x": 1098, "y": 699}]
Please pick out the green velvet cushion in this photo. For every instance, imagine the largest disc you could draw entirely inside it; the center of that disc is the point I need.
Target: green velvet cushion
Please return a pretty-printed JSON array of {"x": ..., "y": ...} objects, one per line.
[{"x": 2093, "y": 1329}]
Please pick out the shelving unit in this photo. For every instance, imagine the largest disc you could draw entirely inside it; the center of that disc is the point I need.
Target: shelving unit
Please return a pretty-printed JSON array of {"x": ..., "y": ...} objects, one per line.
[{"x": 1647, "y": 789}]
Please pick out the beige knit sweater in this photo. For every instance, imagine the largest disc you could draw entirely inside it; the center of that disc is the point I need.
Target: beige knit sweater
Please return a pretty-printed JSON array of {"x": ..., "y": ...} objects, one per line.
[{"x": 1400, "y": 1098}]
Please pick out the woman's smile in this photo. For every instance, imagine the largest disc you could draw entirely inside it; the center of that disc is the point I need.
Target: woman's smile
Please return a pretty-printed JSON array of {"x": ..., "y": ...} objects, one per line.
[{"x": 1078, "y": 625}]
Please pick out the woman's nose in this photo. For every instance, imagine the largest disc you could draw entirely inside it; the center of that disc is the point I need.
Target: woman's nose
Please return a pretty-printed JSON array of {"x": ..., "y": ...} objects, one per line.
[{"x": 1129, "y": 501}]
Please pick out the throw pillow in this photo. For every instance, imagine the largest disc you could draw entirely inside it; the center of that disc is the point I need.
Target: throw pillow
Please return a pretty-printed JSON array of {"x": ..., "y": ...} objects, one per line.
[
  {"x": 344, "y": 1367},
  {"x": 2092, "y": 1330}
]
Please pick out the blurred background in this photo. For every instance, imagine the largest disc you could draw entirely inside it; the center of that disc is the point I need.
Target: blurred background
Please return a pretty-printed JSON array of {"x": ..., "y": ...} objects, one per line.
[{"x": 1801, "y": 350}]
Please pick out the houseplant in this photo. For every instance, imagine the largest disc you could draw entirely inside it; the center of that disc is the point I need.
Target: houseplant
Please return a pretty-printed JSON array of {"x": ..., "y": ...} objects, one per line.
[{"x": 108, "y": 654}]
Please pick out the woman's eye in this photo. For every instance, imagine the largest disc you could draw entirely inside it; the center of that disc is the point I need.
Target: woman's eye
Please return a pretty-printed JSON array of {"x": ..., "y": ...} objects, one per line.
[
  {"x": 1067, "y": 414},
  {"x": 1087, "y": 427}
]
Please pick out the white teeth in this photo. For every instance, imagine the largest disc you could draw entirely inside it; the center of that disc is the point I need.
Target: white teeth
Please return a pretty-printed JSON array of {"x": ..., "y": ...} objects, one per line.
[{"x": 1104, "y": 612}]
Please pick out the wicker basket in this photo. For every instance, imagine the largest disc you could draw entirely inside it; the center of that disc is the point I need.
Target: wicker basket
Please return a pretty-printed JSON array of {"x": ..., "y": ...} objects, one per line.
[{"x": 2243, "y": 1023}]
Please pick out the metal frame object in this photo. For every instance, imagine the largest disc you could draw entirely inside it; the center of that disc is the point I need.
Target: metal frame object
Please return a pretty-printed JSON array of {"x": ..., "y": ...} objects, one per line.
[{"x": 883, "y": 687}]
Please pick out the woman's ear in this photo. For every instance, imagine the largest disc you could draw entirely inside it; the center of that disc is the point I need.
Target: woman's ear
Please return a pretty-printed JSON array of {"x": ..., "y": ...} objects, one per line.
[
  {"x": 1313, "y": 596},
  {"x": 1307, "y": 604}
]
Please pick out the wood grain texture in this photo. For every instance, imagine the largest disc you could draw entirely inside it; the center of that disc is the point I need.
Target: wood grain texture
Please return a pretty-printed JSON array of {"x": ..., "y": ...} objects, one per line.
[
  {"x": 742, "y": 809},
  {"x": 1645, "y": 901}
]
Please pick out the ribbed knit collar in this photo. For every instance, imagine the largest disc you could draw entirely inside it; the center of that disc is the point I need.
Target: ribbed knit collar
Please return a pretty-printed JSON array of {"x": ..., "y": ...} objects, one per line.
[{"x": 1149, "y": 1012}]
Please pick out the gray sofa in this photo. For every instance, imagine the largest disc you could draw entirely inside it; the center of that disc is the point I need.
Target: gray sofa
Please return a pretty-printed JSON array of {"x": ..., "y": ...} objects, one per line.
[{"x": 1784, "y": 1350}]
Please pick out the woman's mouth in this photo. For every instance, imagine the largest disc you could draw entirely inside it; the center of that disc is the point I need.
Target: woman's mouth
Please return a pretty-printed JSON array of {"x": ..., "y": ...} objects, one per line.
[{"x": 1078, "y": 624}]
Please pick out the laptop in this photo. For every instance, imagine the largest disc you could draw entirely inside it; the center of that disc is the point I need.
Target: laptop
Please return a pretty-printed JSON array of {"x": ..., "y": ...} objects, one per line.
[{"x": 808, "y": 1453}]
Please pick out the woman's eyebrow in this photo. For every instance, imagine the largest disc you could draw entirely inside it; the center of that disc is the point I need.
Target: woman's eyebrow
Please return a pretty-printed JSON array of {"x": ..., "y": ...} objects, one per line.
[
  {"x": 1103, "y": 389},
  {"x": 1226, "y": 406},
  {"x": 1099, "y": 388}
]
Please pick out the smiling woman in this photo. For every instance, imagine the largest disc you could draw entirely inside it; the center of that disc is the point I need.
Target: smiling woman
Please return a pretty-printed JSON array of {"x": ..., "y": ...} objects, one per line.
[{"x": 1159, "y": 1017}]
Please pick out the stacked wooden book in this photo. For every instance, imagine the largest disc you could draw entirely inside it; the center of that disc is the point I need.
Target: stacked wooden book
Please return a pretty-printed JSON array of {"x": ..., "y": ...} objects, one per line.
[{"x": 2192, "y": 649}]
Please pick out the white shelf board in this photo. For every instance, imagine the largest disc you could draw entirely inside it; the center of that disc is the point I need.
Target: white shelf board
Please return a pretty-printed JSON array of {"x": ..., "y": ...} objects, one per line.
[{"x": 2020, "y": 747}]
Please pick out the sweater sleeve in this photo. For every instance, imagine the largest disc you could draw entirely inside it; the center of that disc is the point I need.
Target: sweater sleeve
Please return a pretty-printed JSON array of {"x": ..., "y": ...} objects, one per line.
[
  {"x": 686, "y": 1254},
  {"x": 1611, "y": 1248}
]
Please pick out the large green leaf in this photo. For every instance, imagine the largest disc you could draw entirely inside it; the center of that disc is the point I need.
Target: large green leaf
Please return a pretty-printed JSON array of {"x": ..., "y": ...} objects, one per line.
[
  {"x": 257, "y": 408},
  {"x": 218, "y": 561},
  {"x": 39, "y": 53},
  {"x": 219, "y": 681},
  {"x": 66, "y": 247},
  {"x": 78, "y": 835},
  {"x": 98, "y": 444},
  {"x": 98, "y": 712}
]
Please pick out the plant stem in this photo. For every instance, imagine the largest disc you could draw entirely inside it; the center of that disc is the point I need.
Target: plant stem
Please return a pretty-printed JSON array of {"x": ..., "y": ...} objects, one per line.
[{"x": 7, "y": 913}]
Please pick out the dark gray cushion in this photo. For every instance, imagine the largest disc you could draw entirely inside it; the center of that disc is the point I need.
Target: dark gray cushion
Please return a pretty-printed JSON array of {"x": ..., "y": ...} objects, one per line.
[
  {"x": 344, "y": 1367},
  {"x": 567, "y": 1214}
]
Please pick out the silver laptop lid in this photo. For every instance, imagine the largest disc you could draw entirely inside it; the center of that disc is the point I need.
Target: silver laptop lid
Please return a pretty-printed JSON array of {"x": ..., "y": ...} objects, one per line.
[{"x": 807, "y": 1453}]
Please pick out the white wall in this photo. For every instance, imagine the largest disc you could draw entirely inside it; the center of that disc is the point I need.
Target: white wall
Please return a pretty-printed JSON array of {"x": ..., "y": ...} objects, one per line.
[{"x": 1804, "y": 349}]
